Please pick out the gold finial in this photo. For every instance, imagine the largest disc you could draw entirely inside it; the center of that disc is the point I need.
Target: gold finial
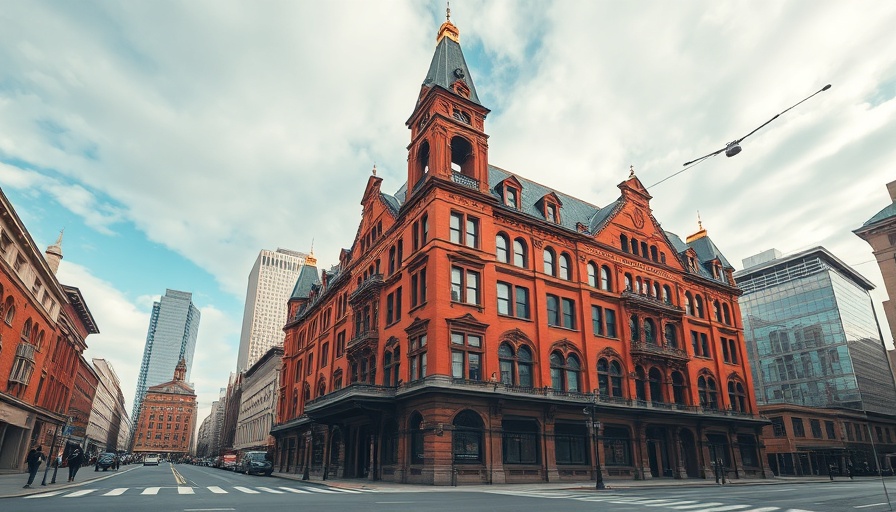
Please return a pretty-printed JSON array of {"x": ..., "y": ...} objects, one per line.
[
  {"x": 700, "y": 231},
  {"x": 448, "y": 29},
  {"x": 631, "y": 171},
  {"x": 374, "y": 169},
  {"x": 310, "y": 260}
]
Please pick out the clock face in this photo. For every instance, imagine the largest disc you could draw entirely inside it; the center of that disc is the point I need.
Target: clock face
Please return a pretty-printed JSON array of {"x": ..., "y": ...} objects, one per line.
[{"x": 462, "y": 116}]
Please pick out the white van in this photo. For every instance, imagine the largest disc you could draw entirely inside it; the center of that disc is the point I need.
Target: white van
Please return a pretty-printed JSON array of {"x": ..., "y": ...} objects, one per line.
[{"x": 151, "y": 460}]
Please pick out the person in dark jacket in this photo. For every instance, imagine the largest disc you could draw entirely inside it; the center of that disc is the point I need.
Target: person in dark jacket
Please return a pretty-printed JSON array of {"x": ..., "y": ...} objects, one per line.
[
  {"x": 75, "y": 459},
  {"x": 35, "y": 457}
]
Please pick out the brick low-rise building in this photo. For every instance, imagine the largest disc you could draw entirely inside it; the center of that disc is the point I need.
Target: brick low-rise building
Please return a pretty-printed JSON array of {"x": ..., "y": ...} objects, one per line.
[
  {"x": 167, "y": 418},
  {"x": 484, "y": 328}
]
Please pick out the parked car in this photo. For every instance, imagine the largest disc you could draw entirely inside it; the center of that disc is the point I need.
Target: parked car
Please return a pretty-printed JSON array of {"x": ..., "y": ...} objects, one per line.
[
  {"x": 106, "y": 461},
  {"x": 151, "y": 460},
  {"x": 256, "y": 462}
]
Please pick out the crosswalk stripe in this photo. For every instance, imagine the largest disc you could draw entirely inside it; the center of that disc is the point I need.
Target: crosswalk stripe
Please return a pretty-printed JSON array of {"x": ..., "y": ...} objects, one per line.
[
  {"x": 698, "y": 505},
  {"x": 268, "y": 489},
  {"x": 217, "y": 490},
  {"x": 82, "y": 492},
  {"x": 346, "y": 491},
  {"x": 44, "y": 495},
  {"x": 246, "y": 490},
  {"x": 318, "y": 489},
  {"x": 116, "y": 492},
  {"x": 297, "y": 491},
  {"x": 726, "y": 508},
  {"x": 763, "y": 509},
  {"x": 151, "y": 491},
  {"x": 185, "y": 490},
  {"x": 686, "y": 502}
]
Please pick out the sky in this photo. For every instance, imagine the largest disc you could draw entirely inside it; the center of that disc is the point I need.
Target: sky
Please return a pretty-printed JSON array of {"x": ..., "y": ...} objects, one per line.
[{"x": 174, "y": 140}]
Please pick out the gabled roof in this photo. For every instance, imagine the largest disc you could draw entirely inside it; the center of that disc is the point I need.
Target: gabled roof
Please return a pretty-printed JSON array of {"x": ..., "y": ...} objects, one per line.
[
  {"x": 176, "y": 387},
  {"x": 448, "y": 65}
]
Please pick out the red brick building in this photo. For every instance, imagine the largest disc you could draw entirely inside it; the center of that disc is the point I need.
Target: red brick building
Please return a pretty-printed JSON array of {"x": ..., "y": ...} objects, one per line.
[
  {"x": 481, "y": 321},
  {"x": 80, "y": 406},
  {"x": 43, "y": 327},
  {"x": 167, "y": 418}
]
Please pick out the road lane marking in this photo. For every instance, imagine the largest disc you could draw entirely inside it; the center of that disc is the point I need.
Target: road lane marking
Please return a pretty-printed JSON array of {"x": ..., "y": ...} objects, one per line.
[
  {"x": 317, "y": 489},
  {"x": 217, "y": 490},
  {"x": 116, "y": 492},
  {"x": 763, "y": 509},
  {"x": 871, "y": 505},
  {"x": 268, "y": 489},
  {"x": 151, "y": 490},
  {"x": 44, "y": 495},
  {"x": 82, "y": 492},
  {"x": 726, "y": 508},
  {"x": 692, "y": 507},
  {"x": 246, "y": 490},
  {"x": 297, "y": 491},
  {"x": 185, "y": 490}
]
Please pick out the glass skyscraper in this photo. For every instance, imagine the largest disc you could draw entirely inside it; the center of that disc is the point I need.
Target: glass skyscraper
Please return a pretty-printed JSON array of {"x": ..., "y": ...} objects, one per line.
[
  {"x": 811, "y": 332},
  {"x": 173, "y": 328}
]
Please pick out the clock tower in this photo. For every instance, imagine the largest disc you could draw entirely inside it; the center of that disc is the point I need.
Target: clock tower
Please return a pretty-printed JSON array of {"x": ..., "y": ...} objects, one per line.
[{"x": 448, "y": 140}]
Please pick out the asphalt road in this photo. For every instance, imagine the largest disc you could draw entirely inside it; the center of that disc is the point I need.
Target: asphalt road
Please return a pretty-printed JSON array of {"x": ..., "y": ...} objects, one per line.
[{"x": 200, "y": 489}]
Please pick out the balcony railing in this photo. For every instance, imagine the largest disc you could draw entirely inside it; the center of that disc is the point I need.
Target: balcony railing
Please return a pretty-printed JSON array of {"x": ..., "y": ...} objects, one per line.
[
  {"x": 651, "y": 302},
  {"x": 464, "y": 180},
  {"x": 370, "y": 283},
  {"x": 371, "y": 335},
  {"x": 497, "y": 388},
  {"x": 26, "y": 351},
  {"x": 640, "y": 347}
]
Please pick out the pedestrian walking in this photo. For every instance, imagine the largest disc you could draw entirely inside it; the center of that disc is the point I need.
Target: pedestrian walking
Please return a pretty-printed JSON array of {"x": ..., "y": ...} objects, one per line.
[
  {"x": 35, "y": 457},
  {"x": 75, "y": 459},
  {"x": 831, "y": 472}
]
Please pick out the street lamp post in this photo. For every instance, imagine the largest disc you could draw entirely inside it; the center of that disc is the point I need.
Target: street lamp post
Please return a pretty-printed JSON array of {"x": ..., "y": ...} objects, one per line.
[{"x": 594, "y": 425}]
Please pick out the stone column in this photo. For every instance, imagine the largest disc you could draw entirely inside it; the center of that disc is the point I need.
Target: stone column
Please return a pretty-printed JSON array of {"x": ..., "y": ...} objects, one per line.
[
  {"x": 643, "y": 464},
  {"x": 494, "y": 461},
  {"x": 681, "y": 472}
]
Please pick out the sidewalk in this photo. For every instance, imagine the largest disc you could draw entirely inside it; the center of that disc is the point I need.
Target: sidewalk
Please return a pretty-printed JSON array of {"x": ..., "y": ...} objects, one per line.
[
  {"x": 11, "y": 483},
  {"x": 578, "y": 486}
]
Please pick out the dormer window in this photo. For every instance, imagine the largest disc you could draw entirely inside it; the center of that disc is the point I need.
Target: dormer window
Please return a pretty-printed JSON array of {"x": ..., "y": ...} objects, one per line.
[
  {"x": 551, "y": 213},
  {"x": 511, "y": 197}
]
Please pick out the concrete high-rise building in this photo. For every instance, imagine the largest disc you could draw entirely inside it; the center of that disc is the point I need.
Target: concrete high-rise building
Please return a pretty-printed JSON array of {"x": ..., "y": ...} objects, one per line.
[
  {"x": 812, "y": 336},
  {"x": 109, "y": 423},
  {"x": 173, "y": 328},
  {"x": 270, "y": 284}
]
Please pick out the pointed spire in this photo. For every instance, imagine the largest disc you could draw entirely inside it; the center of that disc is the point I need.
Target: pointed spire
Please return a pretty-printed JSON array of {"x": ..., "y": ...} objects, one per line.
[
  {"x": 54, "y": 253},
  {"x": 700, "y": 231},
  {"x": 448, "y": 68},
  {"x": 310, "y": 260},
  {"x": 448, "y": 29}
]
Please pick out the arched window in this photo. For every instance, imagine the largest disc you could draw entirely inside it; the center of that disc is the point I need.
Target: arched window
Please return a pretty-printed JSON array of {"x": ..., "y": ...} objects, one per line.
[
  {"x": 505, "y": 363},
  {"x": 654, "y": 255},
  {"x": 623, "y": 242},
  {"x": 549, "y": 267},
  {"x": 698, "y": 306},
  {"x": 467, "y": 438},
  {"x": 635, "y": 246},
  {"x": 688, "y": 304},
  {"x": 737, "y": 396},
  {"x": 391, "y": 260},
  {"x": 679, "y": 389},
  {"x": 634, "y": 328},
  {"x": 716, "y": 311},
  {"x": 592, "y": 274},
  {"x": 520, "y": 256},
  {"x": 524, "y": 367},
  {"x": 649, "y": 330},
  {"x": 726, "y": 314},
  {"x": 671, "y": 337},
  {"x": 10, "y": 311},
  {"x": 565, "y": 372},
  {"x": 656, "y": 385},
  {"x": 415, "y": 429},
  {"x": 423, "y": 159},
  {"x": 606, "y": 283},
  {"x": 639, "y": 287},
  {"x": 462, "y": 160},
  {"x": 573, "y": 368},
  {"x": 502, "y": 248},
  {"x": 26, "y": 331},
  {"x": 667, "y": 294},
  {"x": 321, "y": 388},
  {"x": 628, "y": 282},
  {"x": 609, "y": 377},
  {"x": 656, "y": 290},
  {"x": 640, "y": 384},
  {"x": 565, "y": 267},
  {"x": 706, "y": 388}
]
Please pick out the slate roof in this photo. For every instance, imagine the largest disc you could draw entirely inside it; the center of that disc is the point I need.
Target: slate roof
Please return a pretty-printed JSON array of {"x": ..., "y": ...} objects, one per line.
[
  {"x": 886, "y": 213},
  {"x": 447, "y": 58},
  {"x": 307, "y": 279}
]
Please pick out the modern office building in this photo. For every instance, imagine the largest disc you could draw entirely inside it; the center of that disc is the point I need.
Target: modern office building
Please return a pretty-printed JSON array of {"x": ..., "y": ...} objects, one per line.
[
  {"x": 270, "y": 283},
  {"x": 484, "y": 328},
  {"x": 171, "y": 337},
  {"x": 812, "y": 336},
  {"x": 821, "y": 373}
]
